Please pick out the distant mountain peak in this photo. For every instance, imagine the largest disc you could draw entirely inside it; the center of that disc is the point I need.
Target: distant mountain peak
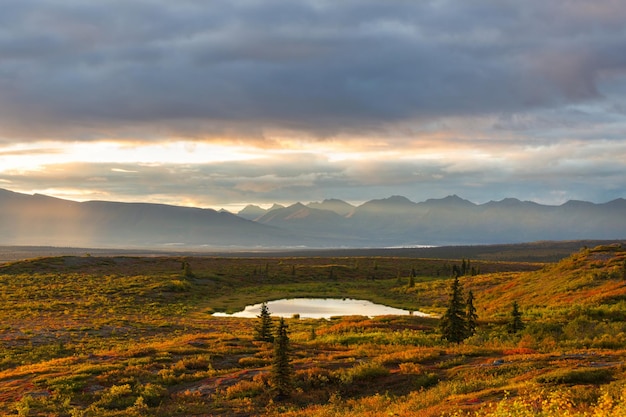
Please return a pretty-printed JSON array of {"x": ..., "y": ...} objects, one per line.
[
  {"x": 576, "y": 203},
  {"x": 252, "y": 207},
  {"x": 399, "y": 199},
  {"x": 393, "y": 200},
  {"x": 333, "y": 204},
  {"x": 618, "y": 202},
  {"x": 296, "y": 212},
  {"x": 295, "y": 206},
  {"x": 510, "y": 201},
  {"x": 251, "y": 212},
  {"x": 449, "y": 200}
]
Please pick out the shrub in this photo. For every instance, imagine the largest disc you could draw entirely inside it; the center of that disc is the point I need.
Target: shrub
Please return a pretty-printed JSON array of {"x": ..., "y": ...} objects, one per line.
[
  {"x": 314, "y": 378},
  {"x": 578, "y": 376},
  {"x": 414, "y": 355},
  {"x": 581, "y": 327},
  {"x": 253, "y": 362},
  {"x": 118, "y": 397},
  {"x": 152, "y": 394},
  {"x": 67, "y": 384},
  {"x": 425, "y": 380},
  {"x": 198, "y": 362},
  {"x": 168, "y": 376},
  {"x": 410, "y": 368},
  {"x": 244, "y": 389},
  {"x": 367, "y": 370},
  {"x": 610, "y": 341},
  {"x": 177, "y": 285}
]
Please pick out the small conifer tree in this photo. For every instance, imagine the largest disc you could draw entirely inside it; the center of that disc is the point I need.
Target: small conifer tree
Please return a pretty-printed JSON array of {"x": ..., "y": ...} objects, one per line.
[
  {"x": 516, "y": 324},
  {"x": 188, "y": 271},
  {"x": 456, "y": 271},
  {"x": 282, "y": 369},
  {"x": 453, "y": 323},
  {"x": 470, "y": 314},
  {"x": 265, "y": 325}
]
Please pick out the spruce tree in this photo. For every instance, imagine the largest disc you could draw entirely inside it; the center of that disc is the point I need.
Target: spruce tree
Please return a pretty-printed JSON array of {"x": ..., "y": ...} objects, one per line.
[
  {"x": 411, "y": 283},
  {"x": 187, "y": 270},
  {"x": 516, "y": 324},
  {"x": 470, "y": 314},
  {"x": 456, "y": 271},
  {"x": 282, "y": 369},
  {"x": 265, "y": 325},
  {"x": 453, "y": 324}
]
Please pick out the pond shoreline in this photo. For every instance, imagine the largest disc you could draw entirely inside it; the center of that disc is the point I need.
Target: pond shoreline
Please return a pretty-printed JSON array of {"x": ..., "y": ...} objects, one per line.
[{"x": 318, "y": 308}]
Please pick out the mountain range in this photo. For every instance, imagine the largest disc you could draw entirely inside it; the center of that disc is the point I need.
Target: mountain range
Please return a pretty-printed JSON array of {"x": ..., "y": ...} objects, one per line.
[{"x": 391, "y": 222}]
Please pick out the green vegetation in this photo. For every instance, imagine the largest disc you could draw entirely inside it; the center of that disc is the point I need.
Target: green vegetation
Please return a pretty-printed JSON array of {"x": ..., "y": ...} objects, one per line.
[{"x": 134, "y": 336}]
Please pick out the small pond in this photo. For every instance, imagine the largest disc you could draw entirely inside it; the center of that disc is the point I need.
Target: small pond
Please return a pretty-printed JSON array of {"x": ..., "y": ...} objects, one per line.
[{"x": 317, "y": 308}]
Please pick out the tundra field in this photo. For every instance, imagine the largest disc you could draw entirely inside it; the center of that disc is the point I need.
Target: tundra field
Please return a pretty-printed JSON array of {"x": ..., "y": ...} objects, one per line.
[{"x": 134, "y": 335}]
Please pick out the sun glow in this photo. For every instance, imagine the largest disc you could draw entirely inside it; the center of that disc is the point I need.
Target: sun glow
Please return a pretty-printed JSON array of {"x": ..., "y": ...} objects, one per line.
[{"x": 36, "y": 156}]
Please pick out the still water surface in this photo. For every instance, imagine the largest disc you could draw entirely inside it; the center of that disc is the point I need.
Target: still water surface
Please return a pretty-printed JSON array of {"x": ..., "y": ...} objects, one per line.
[{"x": 318, "y": 308}]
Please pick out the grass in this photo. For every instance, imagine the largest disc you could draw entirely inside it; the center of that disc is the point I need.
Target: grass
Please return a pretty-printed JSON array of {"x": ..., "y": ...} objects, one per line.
[{"x": 112, "y": 336}]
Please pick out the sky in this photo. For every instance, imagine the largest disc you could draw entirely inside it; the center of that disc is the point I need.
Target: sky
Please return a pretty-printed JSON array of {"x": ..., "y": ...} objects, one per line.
[{"x": 221, "y": 103}]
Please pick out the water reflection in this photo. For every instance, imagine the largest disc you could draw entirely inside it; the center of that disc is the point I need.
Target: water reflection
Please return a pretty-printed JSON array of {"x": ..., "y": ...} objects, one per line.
[{"x": 321, "y": 308}]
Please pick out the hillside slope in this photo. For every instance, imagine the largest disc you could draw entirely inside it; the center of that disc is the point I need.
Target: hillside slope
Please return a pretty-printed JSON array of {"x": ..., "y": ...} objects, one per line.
[{"x": 587, "y": 279}]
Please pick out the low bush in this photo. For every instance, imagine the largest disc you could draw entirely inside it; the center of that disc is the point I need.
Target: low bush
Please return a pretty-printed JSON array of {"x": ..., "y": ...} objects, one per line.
[
  {"x": 363, "y": 371},
  {"x": 118, "y": 397},
  {"x": 314, "y": 378},
  {"x": 595, "y": 376},
  {"x": 244, "y": 389}
]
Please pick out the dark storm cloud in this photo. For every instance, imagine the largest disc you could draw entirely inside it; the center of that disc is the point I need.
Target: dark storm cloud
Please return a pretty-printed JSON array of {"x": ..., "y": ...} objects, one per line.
[{"x": 83, "y": 69}]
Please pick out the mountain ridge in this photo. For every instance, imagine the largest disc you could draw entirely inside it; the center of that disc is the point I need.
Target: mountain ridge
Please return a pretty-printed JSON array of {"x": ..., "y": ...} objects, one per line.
[{"x": 395, "y": 221}]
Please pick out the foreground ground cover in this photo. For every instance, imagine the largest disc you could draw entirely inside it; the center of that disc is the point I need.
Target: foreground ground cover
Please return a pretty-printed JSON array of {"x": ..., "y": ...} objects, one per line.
[{"x": 105, "y": 336}]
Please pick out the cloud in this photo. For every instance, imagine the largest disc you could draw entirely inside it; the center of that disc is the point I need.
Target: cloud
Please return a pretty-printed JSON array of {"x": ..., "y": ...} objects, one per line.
[
  {"x": 545, "y": 173},
  {"x": 261, "y": 101},
  {"x": 85, "y": 70}
]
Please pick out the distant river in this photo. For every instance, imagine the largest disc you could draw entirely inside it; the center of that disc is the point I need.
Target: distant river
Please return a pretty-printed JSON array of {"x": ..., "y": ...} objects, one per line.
[{"x": 317, "y": 308}]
